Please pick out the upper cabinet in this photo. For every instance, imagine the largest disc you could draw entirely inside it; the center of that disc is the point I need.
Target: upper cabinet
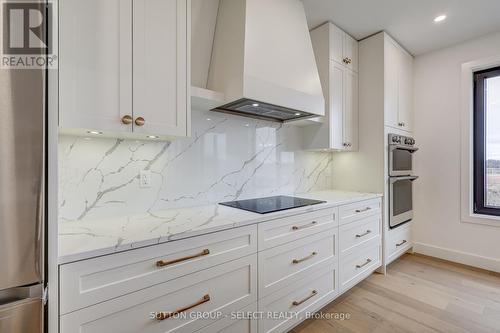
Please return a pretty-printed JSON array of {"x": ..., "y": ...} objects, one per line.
[
  {"x": 124, "y": 67},
  {"x": 398, "y": 86},
  {"x": 337, "y": 60},
  {"x": 343, "y": 48}
]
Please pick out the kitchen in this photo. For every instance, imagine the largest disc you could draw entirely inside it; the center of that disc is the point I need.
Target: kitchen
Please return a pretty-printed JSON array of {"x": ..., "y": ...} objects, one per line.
[{"x": 202, "y": 166}]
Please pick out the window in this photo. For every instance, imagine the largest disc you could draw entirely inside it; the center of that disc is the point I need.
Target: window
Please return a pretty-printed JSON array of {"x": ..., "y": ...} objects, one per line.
[{"x": 487, "y": 142}]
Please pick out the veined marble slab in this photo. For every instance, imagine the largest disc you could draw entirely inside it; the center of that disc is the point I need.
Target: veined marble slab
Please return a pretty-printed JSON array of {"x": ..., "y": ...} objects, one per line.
[{"x": 88, "y": 238}]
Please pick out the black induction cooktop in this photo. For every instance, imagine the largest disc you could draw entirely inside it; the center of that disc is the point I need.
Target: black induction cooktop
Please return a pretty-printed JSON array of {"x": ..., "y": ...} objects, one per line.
[{"x": 271, "y": 204}]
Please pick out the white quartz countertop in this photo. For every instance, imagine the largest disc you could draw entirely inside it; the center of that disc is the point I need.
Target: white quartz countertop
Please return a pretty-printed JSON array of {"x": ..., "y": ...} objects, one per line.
[{"x": 84, "y": 239}]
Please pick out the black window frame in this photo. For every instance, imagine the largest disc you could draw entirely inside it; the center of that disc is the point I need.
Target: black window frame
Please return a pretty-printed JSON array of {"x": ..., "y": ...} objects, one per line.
[{"x": 479, "y": 142}]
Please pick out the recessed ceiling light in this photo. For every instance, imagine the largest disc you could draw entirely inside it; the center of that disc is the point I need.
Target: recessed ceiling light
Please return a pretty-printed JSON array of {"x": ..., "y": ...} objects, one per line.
[
  {"x": 94, "y": 132},
  {"x": 208, "y": 119},
  {"x": 440, "y": 18},
  {"x": 153, "y": 137},
  {"x": 255, "y": 105},
  {"x": 298, "y": 114}
]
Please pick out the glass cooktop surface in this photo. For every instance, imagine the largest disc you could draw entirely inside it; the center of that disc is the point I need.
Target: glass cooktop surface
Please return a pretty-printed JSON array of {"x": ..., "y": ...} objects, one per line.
[{"x": 271, "y": 204}]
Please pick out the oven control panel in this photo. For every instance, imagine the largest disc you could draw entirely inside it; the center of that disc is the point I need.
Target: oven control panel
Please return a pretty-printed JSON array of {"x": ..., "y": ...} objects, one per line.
[{"x": 395, "y": 139}]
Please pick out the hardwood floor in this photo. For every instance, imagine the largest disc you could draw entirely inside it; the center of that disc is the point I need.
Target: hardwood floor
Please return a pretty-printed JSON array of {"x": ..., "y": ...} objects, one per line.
[{"x": 419, "y": 294}]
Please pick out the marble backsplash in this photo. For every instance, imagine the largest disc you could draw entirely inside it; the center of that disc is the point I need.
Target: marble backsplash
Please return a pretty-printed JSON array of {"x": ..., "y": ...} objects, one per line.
[{"x": 227, "y": 158}]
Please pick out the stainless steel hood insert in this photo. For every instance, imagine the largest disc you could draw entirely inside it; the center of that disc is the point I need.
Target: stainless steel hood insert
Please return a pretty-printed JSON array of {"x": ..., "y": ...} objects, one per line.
[{"x": 260, "y": 110}]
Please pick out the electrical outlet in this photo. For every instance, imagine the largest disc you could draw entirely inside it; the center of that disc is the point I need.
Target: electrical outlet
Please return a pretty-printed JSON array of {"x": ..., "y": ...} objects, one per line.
[{"x": 145, "y": 179}]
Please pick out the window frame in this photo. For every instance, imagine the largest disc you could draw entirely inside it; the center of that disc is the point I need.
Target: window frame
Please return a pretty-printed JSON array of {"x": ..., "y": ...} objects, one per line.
[{"x": 479, "y": 142}]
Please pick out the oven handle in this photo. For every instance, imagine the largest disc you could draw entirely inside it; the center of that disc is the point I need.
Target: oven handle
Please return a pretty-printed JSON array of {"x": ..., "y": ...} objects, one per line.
[
  {"x": 395, "y": 179},
  {"x": 410, "y": 149}
]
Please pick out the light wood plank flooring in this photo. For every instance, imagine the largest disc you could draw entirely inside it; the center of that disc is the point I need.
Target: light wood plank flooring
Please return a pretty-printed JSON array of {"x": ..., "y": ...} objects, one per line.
[{"x": 419, "y": 294}]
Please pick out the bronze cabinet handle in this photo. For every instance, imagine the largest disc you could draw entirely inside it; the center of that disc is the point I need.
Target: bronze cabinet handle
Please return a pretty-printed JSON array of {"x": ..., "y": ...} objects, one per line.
[
  {"x": 363, "y": 210},
  {"x": 165, "y": 315},
  {"x": 298, "y": 261},
  {"x": 363, "y": 265},
  {"x": 313, "y": 293},
  {"x": 402, "y": 243},
  {"x": 364, "y": 234},
  {"x": 313, "y": 223},
  {"x": 139, "y": 121},
  {"x": 127, "y": 120},
  {"x": 163, "y": 263}
]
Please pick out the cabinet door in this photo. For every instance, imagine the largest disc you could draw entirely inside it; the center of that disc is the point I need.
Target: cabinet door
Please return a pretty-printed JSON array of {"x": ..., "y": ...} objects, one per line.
[
  {"x": 95, "y": 64},
  {"x": 406, "y": 92},
  {"x": 350, "y": 123},
  {"x": 336, "y": 105},
  {"x": 391, "y": 83},
  {"x": 161, "y": 72},
  {"x": 350, "y": 52},
  {"x": 336, "y": 44}
]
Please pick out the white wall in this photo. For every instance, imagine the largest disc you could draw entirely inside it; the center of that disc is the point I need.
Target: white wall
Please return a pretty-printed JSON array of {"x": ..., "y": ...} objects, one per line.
[{"x": 438, "y": 229}]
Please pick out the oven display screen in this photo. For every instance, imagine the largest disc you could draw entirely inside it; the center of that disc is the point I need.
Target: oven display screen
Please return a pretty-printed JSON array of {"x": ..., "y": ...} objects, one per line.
[{"x": 402, "y": 197}]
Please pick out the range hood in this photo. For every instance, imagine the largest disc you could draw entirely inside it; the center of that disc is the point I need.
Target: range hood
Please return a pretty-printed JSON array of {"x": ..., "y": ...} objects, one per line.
[{"x": 263, "y": 61}]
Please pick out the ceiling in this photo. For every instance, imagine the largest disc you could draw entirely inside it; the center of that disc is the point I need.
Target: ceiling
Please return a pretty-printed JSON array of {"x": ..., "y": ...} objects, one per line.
[{"x": 410, "y": 22}]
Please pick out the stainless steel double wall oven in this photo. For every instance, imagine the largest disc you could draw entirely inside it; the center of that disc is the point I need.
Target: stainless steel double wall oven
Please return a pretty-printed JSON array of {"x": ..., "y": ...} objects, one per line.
[{"x": 401, "y": 177}]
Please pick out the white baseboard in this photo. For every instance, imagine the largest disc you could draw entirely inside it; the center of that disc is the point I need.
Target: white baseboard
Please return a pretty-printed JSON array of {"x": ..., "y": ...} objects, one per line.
[{"x": 474, "y": 260}]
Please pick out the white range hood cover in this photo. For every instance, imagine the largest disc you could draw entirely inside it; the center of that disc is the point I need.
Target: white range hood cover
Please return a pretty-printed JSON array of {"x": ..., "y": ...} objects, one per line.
[{"x": 262, "y": 55}]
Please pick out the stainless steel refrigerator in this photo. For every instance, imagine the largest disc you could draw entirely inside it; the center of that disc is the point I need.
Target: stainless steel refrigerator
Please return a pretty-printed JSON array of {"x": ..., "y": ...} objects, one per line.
[{"x": 22, "y": 206}]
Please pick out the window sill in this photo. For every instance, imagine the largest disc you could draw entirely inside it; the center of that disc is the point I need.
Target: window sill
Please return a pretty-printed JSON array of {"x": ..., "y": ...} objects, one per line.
[{"x": 489, "y": 220}]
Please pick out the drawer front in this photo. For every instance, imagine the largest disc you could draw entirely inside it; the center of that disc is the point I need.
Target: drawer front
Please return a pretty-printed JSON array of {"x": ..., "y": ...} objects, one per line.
[
  {"x": 359, "y": 265},
  {"x": 96, "y": 280},
  {"x": 281, "y": 231},
  {"x": 239, "y": 322},
  {"x": 298, "y": 299},
  {"x": 358, "y": 210},
  {"x": 398, "y": 242},
  {"x": 218, "y": 290},
  {"x": 360, "y": 232},
  {"x": 284, "y": 264}
]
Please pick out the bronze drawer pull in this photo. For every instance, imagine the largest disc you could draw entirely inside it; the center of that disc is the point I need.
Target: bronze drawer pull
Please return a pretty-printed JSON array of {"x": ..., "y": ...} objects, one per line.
[
  {"x": 166, "y": 315},
  {"x": 313, "y": 223},
  {"x": 298, "y": 261},
  {"x": 402, "y": 243},
  {"x": 297, "y": 303},
  {"x": 363, "y": 210},
  {"x": 364, "y": 234},
  {"x": 163, "y": 263},
  {"x": 363, "y": 265}
]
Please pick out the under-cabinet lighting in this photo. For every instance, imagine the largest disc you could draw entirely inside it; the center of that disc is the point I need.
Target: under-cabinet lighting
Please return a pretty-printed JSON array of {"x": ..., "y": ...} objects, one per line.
[
  {"x": 153, "y": 137},
  {"x": 255, "y": 105},
  {"x": 94, "y": 132}
]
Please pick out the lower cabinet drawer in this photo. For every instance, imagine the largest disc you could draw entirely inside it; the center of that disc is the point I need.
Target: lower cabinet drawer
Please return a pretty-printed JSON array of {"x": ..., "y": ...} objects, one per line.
[
  {"x": 287, "y": 307},
  {"x": 358, "y": 210},
  {"x": 282, "y": 265},
  {"x": 240, "y": 322},
  {"x": 173, "y": 306},
  {"x": 398, "y": 242},
  {"x": 357, "y": 266},
  {"x": 92, "y": 281},
  {"x": 357, "y": 233}
]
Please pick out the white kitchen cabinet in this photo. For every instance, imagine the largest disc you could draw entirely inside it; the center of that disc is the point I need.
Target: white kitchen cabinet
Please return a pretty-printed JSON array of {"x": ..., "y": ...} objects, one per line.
[
  {"x": 398, "y": 84},
  {"x": 290, "y": 265},
  {"x": 124, "y": 68},
  {"x": 339, "y": 81},
  {"x": 343, "y": 48},
  {"x": 350, "y": 51},
  {"x": 95, "y": 64},
  {"x": 224, "y": 288}
]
